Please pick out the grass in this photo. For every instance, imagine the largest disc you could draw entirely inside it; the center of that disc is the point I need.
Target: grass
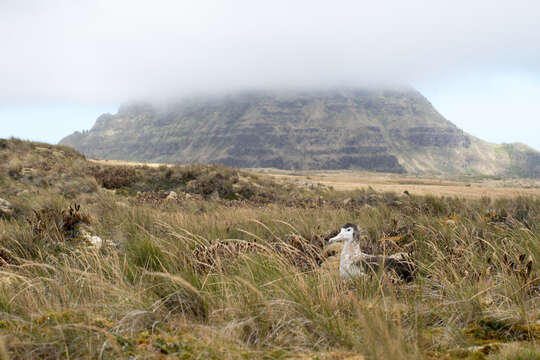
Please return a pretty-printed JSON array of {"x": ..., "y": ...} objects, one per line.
[
  {"x": 237, "y": 279},
  {"x": 473, "y": 187}
]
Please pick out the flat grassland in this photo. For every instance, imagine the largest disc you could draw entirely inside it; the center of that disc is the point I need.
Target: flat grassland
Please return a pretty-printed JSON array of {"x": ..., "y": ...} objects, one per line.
[{"x": 469, "y": 187}]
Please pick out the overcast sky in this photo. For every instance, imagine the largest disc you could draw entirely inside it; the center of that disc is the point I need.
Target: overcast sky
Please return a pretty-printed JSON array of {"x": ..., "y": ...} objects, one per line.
[{"x": 63, "y": 63}]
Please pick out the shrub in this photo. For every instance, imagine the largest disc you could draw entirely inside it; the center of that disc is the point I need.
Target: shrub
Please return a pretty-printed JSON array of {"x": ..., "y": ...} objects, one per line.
[
  {"x": 115, "y": 177},
  {"x": 52, "y": 224}
]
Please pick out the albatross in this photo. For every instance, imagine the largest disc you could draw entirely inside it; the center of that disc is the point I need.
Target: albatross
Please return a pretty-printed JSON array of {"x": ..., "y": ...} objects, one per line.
[{"x": 354, "y": 263}]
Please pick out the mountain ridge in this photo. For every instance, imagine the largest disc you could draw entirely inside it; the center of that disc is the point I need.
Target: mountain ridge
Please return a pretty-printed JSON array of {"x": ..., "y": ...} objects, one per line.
[{"x": 386, "y": 130}]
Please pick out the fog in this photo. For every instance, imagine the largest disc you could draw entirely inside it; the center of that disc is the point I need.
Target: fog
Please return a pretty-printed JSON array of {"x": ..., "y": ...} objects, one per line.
[{"x": 103, "y": 51}]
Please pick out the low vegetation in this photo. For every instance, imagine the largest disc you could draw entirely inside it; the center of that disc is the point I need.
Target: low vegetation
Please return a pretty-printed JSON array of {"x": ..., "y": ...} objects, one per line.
[{"x": 235, "y": 266}]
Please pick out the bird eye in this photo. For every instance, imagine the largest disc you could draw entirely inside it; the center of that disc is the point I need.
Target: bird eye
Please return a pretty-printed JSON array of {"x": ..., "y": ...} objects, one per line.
[{"x": 349, "y": 229}]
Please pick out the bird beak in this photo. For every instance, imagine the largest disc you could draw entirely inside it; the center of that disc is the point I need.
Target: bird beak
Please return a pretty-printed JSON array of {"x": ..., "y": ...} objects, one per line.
[{"x": 339, "y": 237}]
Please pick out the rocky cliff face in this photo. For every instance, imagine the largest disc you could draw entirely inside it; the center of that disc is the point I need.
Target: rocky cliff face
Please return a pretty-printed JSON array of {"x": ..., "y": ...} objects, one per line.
[{"x": 379, "y": 130}]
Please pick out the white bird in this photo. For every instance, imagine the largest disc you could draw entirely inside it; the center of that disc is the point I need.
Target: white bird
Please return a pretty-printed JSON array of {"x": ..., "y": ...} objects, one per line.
[{"x": 354, "y": 263}]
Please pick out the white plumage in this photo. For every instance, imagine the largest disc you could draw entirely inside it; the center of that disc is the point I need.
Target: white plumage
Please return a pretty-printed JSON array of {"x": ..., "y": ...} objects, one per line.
[{"x": 354, "y": 263}]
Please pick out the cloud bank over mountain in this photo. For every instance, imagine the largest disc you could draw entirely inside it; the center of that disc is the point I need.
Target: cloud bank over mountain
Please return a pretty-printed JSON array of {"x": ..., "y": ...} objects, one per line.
[{"x": 124, "y": 50}]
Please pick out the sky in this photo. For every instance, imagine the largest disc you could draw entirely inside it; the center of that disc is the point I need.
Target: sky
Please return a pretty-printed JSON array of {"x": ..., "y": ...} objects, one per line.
[{"x": 65, "y": 62}]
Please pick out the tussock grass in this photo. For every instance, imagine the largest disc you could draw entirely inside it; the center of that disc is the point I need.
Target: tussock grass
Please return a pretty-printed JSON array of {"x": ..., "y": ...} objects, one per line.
[
  {"x": 473, "y": 285},
  {"x": 220, "y": 279}
]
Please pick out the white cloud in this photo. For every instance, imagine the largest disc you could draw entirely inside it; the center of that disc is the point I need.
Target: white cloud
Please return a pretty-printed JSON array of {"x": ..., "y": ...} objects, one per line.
[{"x": 120, "y": 50}]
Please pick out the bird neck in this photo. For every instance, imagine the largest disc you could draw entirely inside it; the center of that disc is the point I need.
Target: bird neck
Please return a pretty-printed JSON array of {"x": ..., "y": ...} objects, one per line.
[
  {"x": 351, "y": 246},
  {"x": 348, "y": 263},
  {"x": 351, "y": 250}
]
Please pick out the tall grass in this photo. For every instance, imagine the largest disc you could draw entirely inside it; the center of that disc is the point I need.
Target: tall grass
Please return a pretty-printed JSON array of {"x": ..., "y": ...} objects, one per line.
[
  {"x": 250, "y": 278},
  {"x": 255, "y": 300}
]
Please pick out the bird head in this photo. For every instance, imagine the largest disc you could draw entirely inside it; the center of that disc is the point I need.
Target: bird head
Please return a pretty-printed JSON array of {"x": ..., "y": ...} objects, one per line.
[{"x": 349, "y": 232}]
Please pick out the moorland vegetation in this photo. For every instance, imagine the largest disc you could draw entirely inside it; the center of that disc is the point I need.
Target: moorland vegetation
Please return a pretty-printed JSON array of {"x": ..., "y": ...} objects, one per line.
[{"x": 204, "y": 261}]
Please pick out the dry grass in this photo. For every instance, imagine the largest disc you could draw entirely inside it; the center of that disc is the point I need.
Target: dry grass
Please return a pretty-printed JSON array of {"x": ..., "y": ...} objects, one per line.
[
  {"x": 220, "y": 279},
  {"x": 256, "y": 300},
  {"x": 127, "y": 163},
  {"x": 470, "y": 188},
  {"x": 350, "y": 180}
]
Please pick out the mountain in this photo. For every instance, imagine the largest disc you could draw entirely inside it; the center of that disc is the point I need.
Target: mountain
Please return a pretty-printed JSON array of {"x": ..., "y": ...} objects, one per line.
[{"x": 395, "y": 130}]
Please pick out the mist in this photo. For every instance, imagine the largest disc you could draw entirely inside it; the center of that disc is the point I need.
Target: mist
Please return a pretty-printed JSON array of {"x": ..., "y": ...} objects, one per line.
[{"x": 118, "y": 51}]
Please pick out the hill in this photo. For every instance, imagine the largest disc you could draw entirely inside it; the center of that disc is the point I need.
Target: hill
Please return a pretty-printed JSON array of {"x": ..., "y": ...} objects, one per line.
[
  {"x": 30, "y": 168},
  {"x": 395, "y": 131}
]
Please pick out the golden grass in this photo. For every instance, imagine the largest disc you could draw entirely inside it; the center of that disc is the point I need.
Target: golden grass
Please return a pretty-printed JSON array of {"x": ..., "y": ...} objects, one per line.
[
  {"x": 126, "y": 163},
  {"x": 69, "y": 300},
  {"x": 151, "y": 293},
  {"x": 354, "y": 180}
]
